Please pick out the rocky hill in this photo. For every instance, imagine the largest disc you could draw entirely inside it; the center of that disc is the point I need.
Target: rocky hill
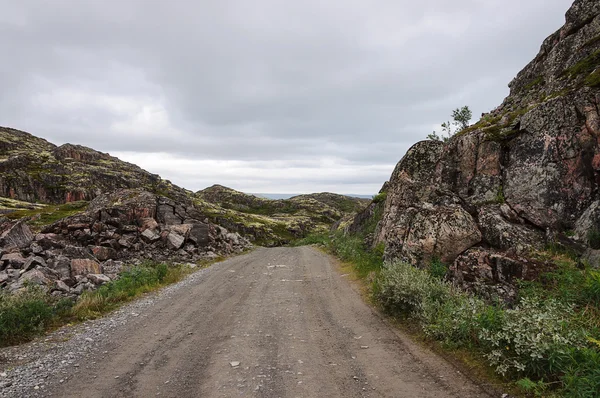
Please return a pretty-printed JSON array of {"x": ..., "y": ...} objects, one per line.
[
  {"x": 36, "y": 176},
  {"x": 88, "y": 249},
  {"x": 35, "y": 170},
  {"x": 524, "y": 177},
  {"x": 274, "y": 222}
]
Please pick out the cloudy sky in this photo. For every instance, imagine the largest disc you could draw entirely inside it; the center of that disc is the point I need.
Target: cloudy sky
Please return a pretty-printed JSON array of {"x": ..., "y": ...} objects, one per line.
[{"x": 260, "y": 95}]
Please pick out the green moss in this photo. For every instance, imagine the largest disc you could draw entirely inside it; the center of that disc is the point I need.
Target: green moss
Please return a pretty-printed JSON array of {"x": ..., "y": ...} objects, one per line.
[
  {"x": 593, "y": 80},
  {"x": 593, "y": 238},
  {"x": 584, "y": 66},
  {"x": 538, "y": 81},
  {"x": 500, "y": 195},
  {"x": 49, "y": 214}
]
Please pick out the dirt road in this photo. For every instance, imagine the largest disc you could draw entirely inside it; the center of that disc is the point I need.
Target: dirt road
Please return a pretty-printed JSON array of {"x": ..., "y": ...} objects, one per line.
[{"x": 276, "y": 322}]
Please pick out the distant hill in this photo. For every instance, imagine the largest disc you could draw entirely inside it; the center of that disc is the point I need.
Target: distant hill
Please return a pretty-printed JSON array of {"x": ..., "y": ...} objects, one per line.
[
  {"x": 291, "y": 195},
  {"x": 275, "y": 221},
  {"x": 35, "y": 170}
]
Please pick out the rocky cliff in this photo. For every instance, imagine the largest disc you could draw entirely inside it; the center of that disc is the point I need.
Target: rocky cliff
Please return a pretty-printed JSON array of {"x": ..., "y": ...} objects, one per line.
[
  {"x": 34, "y": 170},
  {"x": 525, "y": 176}
]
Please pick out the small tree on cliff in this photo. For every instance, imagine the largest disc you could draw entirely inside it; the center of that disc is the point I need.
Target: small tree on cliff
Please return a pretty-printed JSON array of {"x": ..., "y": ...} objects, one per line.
[{"x": 461, "y": 118}]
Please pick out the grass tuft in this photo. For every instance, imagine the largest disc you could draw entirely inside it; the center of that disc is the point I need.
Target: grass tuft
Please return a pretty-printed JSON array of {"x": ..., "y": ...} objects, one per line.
[{"x": 32, "y": 312}]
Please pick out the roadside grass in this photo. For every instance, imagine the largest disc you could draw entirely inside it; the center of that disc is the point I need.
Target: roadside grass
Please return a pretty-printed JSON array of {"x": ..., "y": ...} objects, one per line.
[
  {"x": 33, "y": 312},
  {"x": 546, "y": 345},
  {"x": 131, "y": 284},
  {"x": 28, "y": 314}
]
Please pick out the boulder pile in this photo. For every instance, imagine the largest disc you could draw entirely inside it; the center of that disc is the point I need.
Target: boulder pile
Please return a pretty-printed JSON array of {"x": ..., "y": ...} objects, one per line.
[{"x": 84, "y": 251}]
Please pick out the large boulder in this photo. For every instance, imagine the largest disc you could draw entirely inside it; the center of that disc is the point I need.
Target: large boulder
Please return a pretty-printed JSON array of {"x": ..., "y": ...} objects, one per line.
[
  {"x": 84, "y": 266},
  {"x": 419, "y": 221},
  {"x": 18, "y": 236}
]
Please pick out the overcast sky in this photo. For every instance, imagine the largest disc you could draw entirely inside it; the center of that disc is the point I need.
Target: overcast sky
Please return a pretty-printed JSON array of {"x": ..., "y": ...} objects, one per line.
[{"x": 260, "y": 95}]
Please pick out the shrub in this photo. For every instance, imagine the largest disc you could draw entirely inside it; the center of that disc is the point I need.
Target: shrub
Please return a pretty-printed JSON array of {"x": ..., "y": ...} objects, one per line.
[
  {"x": 437, "y": 269},
  {"x": 582, "y": 376},
  {"x": 28, "y": 314},
  {"x": 591, "y": 290},
  {"x": 535, "y": 339},
  {"x": 454, "y": 320},
  {"x": 407, "y": 290},
  {"x": 380, "y": 197}
]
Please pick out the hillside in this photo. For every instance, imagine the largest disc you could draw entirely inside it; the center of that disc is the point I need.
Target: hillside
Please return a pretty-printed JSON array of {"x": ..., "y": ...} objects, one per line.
[
  {"x": 274, "y": 222},
  {"x": 35, "y": 170}
]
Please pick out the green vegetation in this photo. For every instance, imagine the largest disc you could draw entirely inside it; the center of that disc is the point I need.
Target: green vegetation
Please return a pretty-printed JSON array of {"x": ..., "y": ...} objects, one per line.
[
  {"x": 49, "y": 214},
  {"x": 500, "y": 195},
  {"x": 380, "y": 197},
  {"x": 350, "y": 249},
  {"x": 546, "y": 342},
  {"x": 586, "y": 65},
  {"x": 8, "y": 205},
  {"x": 28, "y": 314},
  {"x": 593, "y": 238},
  {"x": 538, "y": 81},
  {"x": 460, "y": 122},
  {"x": 274, "y": 222},
  {"x": 593, "y": 80},
  {"x": 132, "y": 283},
  {"x": 437, "y": 269},
  {"x": 33, "y": 312}
]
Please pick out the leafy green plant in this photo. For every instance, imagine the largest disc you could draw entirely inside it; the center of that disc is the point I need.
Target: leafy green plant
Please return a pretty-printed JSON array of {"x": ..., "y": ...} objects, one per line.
[
  {"x": 380, "y": 197},
  {"x": 581, "y": 377},
  {"x": 28, "y": 313},
  {"x": 353, "y": 249},
  {"x": 535, "y": 339},
  {"x": 437, "y": 269},
  {"x": 460, "y": 122},
  {"x": 406, "y": 290},
  {"x": 537, "y": 388}
]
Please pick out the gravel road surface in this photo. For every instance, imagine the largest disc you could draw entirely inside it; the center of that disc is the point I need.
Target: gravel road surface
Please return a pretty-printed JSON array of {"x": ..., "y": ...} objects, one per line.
[{"x": 281, "y": 322}]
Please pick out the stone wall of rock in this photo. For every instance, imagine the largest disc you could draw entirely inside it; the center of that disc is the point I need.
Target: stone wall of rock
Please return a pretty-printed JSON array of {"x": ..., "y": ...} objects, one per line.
[
  {"x": 81, "y": 252},
  {"x": 526, "y": 175}
]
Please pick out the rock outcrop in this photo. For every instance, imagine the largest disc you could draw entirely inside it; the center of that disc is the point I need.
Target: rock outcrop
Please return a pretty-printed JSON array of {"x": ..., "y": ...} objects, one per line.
[
  {"x": 274, "y": 222},
  {"x": 34, "y": 170},
  {"x": 84, "y": 251},
  {"x": 526, "y": 175}
]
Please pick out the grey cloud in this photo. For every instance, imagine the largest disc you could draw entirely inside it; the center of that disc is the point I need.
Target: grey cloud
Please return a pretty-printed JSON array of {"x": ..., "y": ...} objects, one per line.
[{"x": 262, "y": 80}]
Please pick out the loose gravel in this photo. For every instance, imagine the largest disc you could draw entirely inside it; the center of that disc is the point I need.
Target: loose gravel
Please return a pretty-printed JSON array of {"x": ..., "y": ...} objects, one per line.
[{"x": 28, "y": 370}]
